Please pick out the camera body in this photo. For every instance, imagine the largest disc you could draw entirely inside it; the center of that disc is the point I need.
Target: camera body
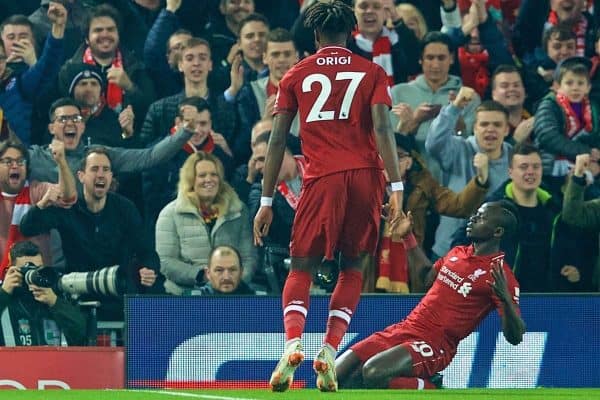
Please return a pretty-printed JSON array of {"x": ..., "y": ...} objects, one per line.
[{"x": 45, "y": 277}]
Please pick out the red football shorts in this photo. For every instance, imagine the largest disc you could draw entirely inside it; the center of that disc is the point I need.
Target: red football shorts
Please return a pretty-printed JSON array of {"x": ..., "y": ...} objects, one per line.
[
  {"x": 341, "y": 211},
  {"x": 427, "y": 358}
]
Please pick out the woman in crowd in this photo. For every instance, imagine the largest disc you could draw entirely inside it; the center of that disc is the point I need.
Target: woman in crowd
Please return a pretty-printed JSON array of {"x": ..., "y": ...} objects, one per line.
[{"x": 206, "y": 213}]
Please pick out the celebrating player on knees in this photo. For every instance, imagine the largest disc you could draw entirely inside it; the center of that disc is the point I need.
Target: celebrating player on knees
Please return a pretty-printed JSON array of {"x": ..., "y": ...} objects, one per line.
[{"x": 466, "y": 285}]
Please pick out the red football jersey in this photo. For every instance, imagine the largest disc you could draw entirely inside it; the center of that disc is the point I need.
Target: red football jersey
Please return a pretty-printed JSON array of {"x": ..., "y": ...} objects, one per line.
[
  {"x": 459, "y": 298},
  {"x": 333, "y": 91}
]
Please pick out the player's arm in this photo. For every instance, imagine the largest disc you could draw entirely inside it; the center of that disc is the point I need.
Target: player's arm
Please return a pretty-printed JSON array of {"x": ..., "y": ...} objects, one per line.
[
  {"x": 422, "y": 273},
  {"x": 513, "y": 326},
  {"x": 277, "y": 142},
  {"x": 386, "y": 146}
]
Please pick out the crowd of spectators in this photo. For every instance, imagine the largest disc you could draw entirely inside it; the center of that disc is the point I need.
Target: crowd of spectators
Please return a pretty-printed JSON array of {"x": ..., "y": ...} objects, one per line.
[{"x": 134, "y": 133}]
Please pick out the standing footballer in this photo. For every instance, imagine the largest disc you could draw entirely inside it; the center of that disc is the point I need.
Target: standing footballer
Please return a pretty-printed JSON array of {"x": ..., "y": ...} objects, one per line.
[{"x": 343, "y": 102}]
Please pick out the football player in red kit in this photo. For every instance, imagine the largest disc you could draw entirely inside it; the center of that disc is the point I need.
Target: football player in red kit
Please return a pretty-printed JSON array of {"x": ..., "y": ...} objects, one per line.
[
  {"x": 343, "y": 103},
  {"x": 466, "y": 285}
]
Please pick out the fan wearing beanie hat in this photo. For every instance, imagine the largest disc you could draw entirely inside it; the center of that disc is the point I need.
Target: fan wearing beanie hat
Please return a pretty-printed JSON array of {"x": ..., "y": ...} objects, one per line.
[{"x": 86, "y": 85}]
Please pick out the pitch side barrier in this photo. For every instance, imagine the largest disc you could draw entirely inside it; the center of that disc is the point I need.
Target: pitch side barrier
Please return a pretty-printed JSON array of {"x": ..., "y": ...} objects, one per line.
[{"x": 235, "y": 342}]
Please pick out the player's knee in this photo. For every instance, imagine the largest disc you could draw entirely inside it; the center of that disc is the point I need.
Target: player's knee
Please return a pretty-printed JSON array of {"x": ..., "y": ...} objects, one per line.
[{"x": 372, "y": 376}]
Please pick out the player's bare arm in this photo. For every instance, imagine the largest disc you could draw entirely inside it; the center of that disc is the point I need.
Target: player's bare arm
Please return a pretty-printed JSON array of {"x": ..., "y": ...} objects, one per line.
[
  {"x": 386, "y": 146},
  {"x": 421, "y": 273},
  {"x": 264, "y": 217},
  {"x": 513, "y": 325}
]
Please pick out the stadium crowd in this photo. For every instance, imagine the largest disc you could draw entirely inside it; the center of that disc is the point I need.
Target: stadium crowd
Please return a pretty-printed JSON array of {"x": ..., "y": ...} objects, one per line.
[{"x": 134, "y": 133}]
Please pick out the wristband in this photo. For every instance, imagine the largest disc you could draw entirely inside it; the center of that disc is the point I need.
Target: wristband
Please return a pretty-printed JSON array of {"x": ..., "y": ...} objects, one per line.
[
  {"x": 397, "y": 186},
  {"x": 266, "y": 201}
]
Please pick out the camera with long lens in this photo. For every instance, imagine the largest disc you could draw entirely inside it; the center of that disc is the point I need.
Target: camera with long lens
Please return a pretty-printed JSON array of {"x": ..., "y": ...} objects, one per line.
[
  {"x": 40, "y": 276},
  {"x": 107, "y": 281}
]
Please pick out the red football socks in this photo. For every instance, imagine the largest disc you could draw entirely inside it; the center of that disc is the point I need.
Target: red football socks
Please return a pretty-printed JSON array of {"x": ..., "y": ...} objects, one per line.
[
  {"x": 295, "y": 298},
  {"x": 344, "y": 300}
]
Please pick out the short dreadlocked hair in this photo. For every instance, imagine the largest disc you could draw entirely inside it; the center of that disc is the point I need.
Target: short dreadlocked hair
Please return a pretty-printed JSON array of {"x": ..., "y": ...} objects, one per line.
[{"x": 330, "y": 17}]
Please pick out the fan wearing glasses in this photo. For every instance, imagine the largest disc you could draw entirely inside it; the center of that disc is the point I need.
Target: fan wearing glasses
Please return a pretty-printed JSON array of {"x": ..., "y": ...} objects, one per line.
[{"x": 67, "y": 126}]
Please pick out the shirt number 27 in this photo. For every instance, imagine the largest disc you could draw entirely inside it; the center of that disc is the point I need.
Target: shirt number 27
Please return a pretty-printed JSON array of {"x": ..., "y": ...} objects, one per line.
[{"x": 316, "y": 112}]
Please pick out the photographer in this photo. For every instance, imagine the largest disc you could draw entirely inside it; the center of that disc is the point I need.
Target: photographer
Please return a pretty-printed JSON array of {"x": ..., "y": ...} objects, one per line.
[{"x": 37, "y": 315}]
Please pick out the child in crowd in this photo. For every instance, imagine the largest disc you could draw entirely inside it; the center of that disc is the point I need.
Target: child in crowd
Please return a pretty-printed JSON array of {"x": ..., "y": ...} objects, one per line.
[{"x": 566, "y": 122}]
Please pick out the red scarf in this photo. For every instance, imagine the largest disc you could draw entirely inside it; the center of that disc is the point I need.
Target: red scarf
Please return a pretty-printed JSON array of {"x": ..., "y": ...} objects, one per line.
[
  {"x": 474, "y": 70},
  {"x": 579, "y": 29},
  {"x": 114, "y": 93},
  {"x": 22, "y": 205},
  {"x": 208, "y": 146},
  {"x": 284, "y": 189},
  {"x": 209, "y": 215},
  {"x": 393, "y": 263},
  {"x": 380, "y": 49},
  {"x": 573, "y": 124}
]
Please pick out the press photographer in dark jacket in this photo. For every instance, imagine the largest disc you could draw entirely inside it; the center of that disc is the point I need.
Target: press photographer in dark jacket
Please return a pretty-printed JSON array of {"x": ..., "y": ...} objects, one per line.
[{"x": 38, "y": 316}]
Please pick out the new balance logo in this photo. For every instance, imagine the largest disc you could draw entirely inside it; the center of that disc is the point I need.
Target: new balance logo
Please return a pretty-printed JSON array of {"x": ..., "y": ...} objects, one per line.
[{"x": 465, "y": 289}]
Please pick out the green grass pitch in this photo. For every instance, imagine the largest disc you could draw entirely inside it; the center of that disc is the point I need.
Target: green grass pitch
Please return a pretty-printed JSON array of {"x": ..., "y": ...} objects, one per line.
[{"x": 301, "y": 394}]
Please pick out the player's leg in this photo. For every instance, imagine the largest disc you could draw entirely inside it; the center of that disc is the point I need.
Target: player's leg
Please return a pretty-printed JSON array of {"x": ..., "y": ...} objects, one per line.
[
  {"x": 401, "y": 367},
  {"x": 295, "y": 299},
  {"x": 363, "y": 190},
  {"x": 348, "y": 368},
  {"x": 307, "y": 249},
  {"x": 381, "y": 368}
]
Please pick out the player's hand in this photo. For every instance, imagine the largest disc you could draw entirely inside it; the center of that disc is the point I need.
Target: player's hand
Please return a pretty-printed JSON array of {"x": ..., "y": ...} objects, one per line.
[
  {"x": 13, "y": 279},
  {"x": 595, "y": 154},
  {"x": 22, "y": 50},
  {"x": 481, "y": 164},
  {"x": 221, "y": 142},
  {"x": 499, "y": 284},
  {"x": 58, "y": 150},
  {"x": 464, "y": 97},
  {"x": 262, "y": 223},
  {"x": 582, "y": 164},
  {"x": 118, "y": 76},
  {"x": 401, "y": 227},
  {"x": 523, "y": 130},
  {"x": 43, "y": 295},
  {"x": 147, "y": 276},
  {"x": 392, "y": 211},
  {"x": 571, "y": 273}
]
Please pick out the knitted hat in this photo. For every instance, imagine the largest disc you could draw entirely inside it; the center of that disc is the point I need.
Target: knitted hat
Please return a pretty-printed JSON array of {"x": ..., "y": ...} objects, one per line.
[{"x": 78, "y": 71}]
